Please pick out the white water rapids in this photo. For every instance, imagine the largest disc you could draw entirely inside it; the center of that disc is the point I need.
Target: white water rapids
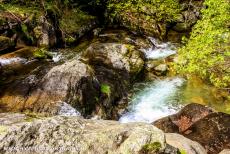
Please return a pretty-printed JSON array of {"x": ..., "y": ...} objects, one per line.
[
  {"x": 157, "y": 99},
  {"x": 159, "y": 50}
]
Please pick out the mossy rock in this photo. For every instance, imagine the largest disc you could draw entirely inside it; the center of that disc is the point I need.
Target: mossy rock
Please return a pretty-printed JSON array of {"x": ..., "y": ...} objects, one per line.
[
  {"x": 73, "y": 21},
  {"x": 152, "y": 147},
  {"x": 5, "y": 44},
  {"x": 105, "y": 88}
]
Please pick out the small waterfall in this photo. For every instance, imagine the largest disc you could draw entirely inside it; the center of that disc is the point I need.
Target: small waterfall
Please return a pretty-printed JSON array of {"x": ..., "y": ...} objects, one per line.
[
  {"x": 56, "y": 57},
  {"x": 156, "y": 100},
  {"x": 159, "y": 50},
  {"x": 67, "y": 110}
]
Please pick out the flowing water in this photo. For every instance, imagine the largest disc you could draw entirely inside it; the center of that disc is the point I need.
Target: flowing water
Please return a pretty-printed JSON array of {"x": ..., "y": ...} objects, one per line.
[
  {"x": 67, "y": 110},
  {"x": 159, "y": 50},
  {"x": 4, "y": 61},
  {"x": 153, "y": 100}
]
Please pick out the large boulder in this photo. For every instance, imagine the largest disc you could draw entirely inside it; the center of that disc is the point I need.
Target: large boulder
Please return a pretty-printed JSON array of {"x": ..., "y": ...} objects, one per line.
[
  {"x": 212, "y": 131},
  {"x": 115, "y": 55},
  {"x": 72, "y": 82},
  {"x": 184, "y": 144},
  {"x": 199, "y": 123},
  {"x": 181, "y": 121},
  {"x": 76, "y": 135}
]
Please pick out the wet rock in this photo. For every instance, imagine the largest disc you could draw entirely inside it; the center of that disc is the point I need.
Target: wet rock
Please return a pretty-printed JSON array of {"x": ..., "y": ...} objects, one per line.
[
  {"x": 5, "y": 44},
  {"x": 77, "y": 135},
  {"x": 116, "y": 66},
  {"x": 115, "y": 55},
  {"x": 180, "y": 122},
  {"x": 93, "y": 84},
  {"x": 161, "y": 69},
  {"x": 183, "y": 144},
  {"x": 199, "y": 123},
  {"x": 70, "y": 81},
  {"x": 212, "y": 131}
]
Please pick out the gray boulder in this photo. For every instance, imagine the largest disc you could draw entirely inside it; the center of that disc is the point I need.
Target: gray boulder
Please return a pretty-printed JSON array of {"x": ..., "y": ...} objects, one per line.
[{"x": 75, "y": 135}]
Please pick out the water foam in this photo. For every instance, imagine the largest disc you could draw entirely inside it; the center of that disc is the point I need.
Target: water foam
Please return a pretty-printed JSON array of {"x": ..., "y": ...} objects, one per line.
[
  {"x": 156, "y": 100},
  {"x": 8, "y": 61},
  {"x": 159, "y": 50},
  {"x": 67, "y": 110},
  {"x": 56, "y": 57}
]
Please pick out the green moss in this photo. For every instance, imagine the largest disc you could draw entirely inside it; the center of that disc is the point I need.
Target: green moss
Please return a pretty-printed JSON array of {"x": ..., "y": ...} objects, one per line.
[
  {"x": 105, "y": 89},
  {"x": 73, "y": 20},
  {"x": 21, "y": 9},
  {"x": 181, "y": 151},
  {"x": 3, "y": 129},
  {"x": 42, "y": 53},
  {"x": 152, "y": 147},
  {"x": 31, "y": 116}
]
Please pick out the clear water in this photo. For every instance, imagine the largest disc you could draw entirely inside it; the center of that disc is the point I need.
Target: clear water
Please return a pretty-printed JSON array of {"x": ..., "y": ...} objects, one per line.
[
  {"x": 153, "y": 101},
  {"x": 159, "y": 50}
]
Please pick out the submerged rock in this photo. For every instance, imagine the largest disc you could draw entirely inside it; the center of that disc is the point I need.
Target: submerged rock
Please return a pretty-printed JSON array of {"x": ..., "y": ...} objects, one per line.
[{"x": 76, "y": 135}]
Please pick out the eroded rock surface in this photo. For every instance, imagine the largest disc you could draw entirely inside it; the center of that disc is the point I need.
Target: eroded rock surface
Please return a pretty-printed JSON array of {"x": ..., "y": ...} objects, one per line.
[{"x": 76, "y": 135}]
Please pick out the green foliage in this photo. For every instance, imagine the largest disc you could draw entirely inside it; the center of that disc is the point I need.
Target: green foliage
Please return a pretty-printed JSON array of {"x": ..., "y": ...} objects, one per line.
[
  {"x": 152, "y": 147},
  {"x": 21, "y": 9},
  {"x": 105, "y": 89},
  {"x": 182, "y": 151},
  {"x": 42, "y": 53},
  {"x": 207, "y": 52},
  {"x": 166, "y": 10},
  {"x": 73, "y": 20},
  {"x": 149, "y": 16}
]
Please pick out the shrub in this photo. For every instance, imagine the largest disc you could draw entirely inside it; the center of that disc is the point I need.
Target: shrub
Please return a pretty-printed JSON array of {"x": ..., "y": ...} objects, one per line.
[{"x": 207, "y": 52}]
